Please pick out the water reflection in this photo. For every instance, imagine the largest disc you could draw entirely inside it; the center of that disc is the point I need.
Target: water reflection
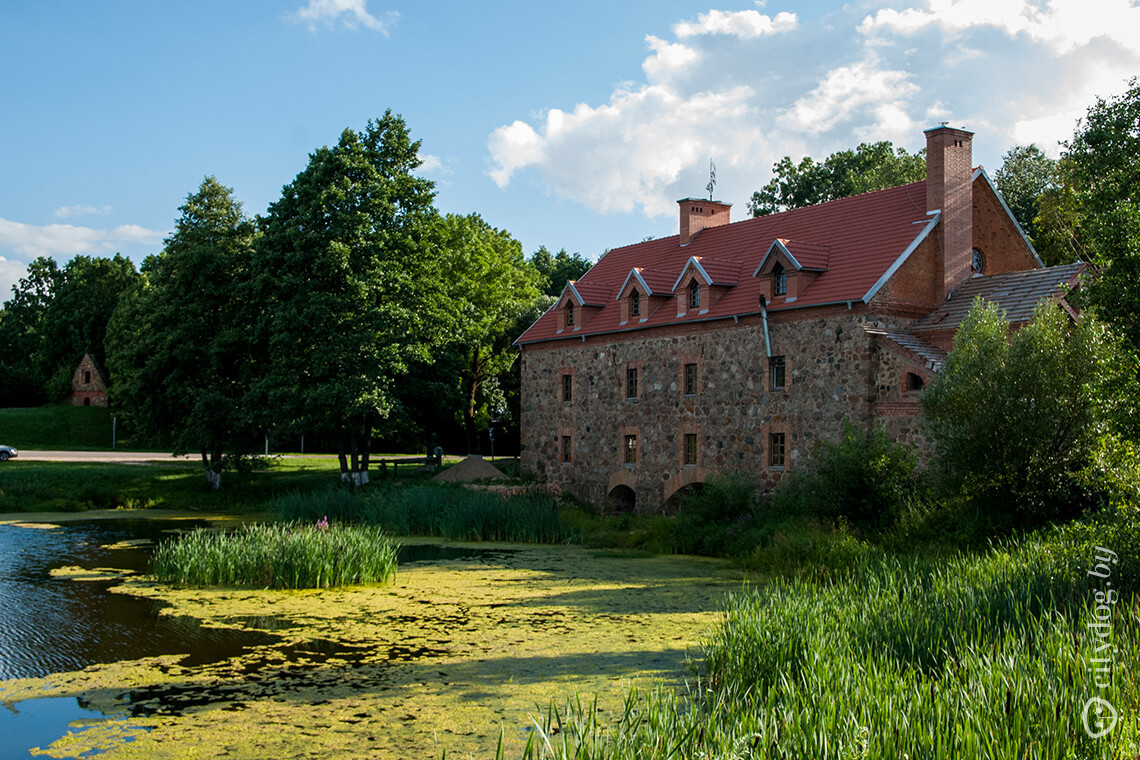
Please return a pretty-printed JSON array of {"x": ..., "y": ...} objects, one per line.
[{"x": 56, "y": 624}]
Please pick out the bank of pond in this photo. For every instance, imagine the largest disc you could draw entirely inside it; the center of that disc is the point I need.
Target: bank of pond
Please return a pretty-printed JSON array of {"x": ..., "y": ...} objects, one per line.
[{"x": 584, "y": 642}]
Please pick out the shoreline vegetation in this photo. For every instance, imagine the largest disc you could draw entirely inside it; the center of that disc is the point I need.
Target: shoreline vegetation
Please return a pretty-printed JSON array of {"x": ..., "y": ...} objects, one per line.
[{"x": 925, "y": 637}]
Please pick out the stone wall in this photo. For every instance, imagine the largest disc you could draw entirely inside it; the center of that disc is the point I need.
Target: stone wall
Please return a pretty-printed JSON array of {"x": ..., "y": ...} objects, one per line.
[{"x": 830, "y": 371}]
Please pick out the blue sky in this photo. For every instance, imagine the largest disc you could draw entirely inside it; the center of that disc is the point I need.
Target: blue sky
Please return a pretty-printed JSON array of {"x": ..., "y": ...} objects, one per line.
[{"x": 570, "y": 125}]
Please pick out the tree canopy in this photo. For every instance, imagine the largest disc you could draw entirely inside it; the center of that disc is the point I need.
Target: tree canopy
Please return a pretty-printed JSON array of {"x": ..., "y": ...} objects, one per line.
[
  {"x": 1017, "y": 422},
  {"x": 871, "y": 166},
  {"x": 348, "y": 291},
  {"x": 558, "y": 269},
  {"x": 1025, "y": 175},
  {"x": 179, "y": 345}
]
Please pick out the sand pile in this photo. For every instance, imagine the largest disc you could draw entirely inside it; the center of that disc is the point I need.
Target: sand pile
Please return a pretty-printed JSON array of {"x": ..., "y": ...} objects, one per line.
[{"x": 471, "y": 468}]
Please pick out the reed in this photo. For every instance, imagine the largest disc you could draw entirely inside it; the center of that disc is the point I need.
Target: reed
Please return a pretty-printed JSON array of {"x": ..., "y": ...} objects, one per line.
[
  {"x": 279, "y": 556},
  {"x": 982, "y": 656}
]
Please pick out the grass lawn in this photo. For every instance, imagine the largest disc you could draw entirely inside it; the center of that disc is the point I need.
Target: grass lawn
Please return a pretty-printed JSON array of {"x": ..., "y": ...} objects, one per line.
[
  {"x": 61, "y": 428},
  {"x": 72, "y": 487}
]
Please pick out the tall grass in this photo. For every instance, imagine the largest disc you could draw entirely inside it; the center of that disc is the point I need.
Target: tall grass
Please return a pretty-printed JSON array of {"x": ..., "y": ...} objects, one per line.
[
  {"x": 979, "y": 656},
  {"x": 440, "y": 510},
  {"x": 278, "y": 555}
]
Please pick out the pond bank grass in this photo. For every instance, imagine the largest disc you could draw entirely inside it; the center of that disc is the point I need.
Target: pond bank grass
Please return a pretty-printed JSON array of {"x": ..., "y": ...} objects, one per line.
[{"x": 279, "y": 556}]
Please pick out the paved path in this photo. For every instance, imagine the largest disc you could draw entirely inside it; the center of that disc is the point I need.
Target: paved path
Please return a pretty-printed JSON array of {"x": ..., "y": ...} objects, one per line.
[{"x": 28, "y": 455}]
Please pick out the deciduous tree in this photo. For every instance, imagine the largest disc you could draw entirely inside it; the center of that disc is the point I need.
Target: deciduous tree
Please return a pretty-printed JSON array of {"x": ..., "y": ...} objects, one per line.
[{"x": 179, "y": 346}]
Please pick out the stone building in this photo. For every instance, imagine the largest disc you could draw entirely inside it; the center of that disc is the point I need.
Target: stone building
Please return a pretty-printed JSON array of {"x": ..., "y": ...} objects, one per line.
[
  {"x": 738, "y": 346},
  {"x": 88, "y": 384}
]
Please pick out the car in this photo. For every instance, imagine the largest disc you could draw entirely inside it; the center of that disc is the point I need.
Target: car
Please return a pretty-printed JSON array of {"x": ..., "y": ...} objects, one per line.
[{"x": 7, "y": 452}]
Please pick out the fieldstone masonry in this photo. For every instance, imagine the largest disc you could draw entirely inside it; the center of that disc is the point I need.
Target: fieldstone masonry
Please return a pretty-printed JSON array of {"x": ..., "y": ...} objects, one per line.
[{"x": 831, "y": 371}]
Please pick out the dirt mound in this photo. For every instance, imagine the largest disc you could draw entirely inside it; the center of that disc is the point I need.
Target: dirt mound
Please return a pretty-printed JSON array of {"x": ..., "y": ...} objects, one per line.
[{"x": 471, "y": 468}]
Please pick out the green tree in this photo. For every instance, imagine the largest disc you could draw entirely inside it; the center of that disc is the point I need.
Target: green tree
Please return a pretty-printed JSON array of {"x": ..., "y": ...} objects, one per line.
[
  {"x": 348, "y": 289},
  {"x": 1058, "y": 233},
  {"x": 558, "y": 269},
  {"x": 1025, "y": 175},
  {"x": 22, "y": 379},
  {"x": 871, "y": 166},
  {"x": 1105, "y": 180},
  {"x": 1017, "y": 422},
  {"x": 494, "y": 285},
  {"x": 179, "y": 346}
]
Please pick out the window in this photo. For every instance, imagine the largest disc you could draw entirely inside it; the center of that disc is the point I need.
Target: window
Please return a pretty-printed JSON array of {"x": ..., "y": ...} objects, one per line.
[
  {"x": 630, "y": 449},
  {"x": 564, "y": 454},
  {"x": 779, "y": 281},
  {"x": 978, "y": 262},
  {"x": 776, "y": 450},
  {"x": 567, "y": 388},
  {"x": 87, "y": 377},
  {"x": 690, "y": 454},
  {"x": 776, "y": 373},
  {"x": 913, "y": 382},
  {"x": 570, "y": 313},
  {"x": 690, "y": 379},
  {"x": 634, "y": 303},
  {"x": 694, "y": 295},
  {"x": 631, "y": 382}
]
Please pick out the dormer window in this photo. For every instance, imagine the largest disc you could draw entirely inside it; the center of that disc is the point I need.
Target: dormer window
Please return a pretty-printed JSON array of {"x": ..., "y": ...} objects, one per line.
[
  {"x": 570, "y": 313},
  {"x": 779, "y": 281},
  {"x": 634, "y": 303},
  {"x": 694, "y": 295}
]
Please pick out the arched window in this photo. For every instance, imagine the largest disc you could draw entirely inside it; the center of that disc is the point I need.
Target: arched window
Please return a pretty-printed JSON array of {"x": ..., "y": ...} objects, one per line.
[
  {"x": 779, "y": 281},
  {"x": 914, "y": 382},
  {"x": 978, "y": 262},
  {"x": 86, "y": 377},
  {"x": 570, "y": 313},
  {"x": 634, "y": 303},
  {"x": 694, "y": 295}
]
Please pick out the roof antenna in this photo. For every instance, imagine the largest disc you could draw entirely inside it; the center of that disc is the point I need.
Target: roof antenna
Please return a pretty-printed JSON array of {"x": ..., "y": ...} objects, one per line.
[{"x": 712, "y": 178}]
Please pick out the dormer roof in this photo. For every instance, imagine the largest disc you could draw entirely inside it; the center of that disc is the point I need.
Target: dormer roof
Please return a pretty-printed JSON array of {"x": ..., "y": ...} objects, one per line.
[
  {"x": 811, "y": 257},
  {"x": 587, "y": 293},
  {"x": 649, "y": 282},
  {"x": 711, "y": 272}
]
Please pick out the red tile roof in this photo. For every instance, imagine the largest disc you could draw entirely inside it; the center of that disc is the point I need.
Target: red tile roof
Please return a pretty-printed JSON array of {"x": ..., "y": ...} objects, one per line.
[{"x": 855, "y": 240}]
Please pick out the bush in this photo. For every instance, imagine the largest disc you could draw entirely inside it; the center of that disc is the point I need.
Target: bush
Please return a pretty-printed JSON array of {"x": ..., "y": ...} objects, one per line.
[{"x": 715, "y": 520}]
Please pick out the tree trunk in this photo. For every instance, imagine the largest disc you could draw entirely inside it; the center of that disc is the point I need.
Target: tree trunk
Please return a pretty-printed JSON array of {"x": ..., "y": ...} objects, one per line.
[{"x": 212, "y": 466}]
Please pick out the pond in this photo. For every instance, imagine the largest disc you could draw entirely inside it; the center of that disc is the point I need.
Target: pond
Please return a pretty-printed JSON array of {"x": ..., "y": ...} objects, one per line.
[{"x": 468, "y": 642}]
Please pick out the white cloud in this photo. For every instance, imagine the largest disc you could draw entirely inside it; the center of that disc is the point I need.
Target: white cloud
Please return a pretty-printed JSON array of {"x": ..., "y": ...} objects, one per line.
[
  {"x": 65, "y": 240},
  {"x": 11, "y": 272},
  {"x": 744, "y": 24},
  {"x": 747, "y": 89},
  {"x": 1063, "y": 25},
  {"x": 351, "y": 13},
  {"x": 66, "y": 212}
]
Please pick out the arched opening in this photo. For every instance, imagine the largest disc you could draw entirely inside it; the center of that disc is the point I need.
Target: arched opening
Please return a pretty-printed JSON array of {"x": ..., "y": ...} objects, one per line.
[
  {"x": 676, "y": 502},
  {"x": 87, "y": 401},
  {"x": 634, "y": 303},
  {"x": 914, "y": 382},
  {"x": 87, "y": 377},
  {"x": 621, "y": 499}
]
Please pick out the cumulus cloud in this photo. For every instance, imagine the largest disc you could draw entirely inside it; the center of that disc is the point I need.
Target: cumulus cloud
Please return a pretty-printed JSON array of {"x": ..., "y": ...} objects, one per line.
[
  {"x": 746, "y": 88},
  {"x": 11, "y": 272},
  {"x": 351, "y": 13},
  {"x": 29, "y": 241},
  {"x": 745, "y": 24},
  {"x": 65, "y": 212}
]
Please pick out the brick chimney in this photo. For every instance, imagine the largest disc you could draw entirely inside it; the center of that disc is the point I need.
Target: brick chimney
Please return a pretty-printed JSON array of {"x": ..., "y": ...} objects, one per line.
[
  {"x": 696, "y": 214},
  {"x": 949, "y": 189}
]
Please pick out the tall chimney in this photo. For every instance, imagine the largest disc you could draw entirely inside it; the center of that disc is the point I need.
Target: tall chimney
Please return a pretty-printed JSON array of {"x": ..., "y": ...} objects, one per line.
[
  {"x": 697, "y": 214},
  {"x": 949, "y": 189}
]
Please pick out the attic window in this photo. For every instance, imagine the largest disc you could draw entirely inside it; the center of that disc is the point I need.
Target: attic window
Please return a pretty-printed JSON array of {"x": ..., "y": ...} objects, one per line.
[
  {"x": 978, "y": 262},
  {"x": 694, "y": 295},
  {"x": 779, "y": 281},
  {"x": 634, "y": 303},
  {"x": 570, "y": 313}
]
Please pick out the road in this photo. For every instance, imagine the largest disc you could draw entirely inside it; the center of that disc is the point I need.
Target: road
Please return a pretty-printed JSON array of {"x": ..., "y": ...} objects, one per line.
[{"x": 123, "y": 457}]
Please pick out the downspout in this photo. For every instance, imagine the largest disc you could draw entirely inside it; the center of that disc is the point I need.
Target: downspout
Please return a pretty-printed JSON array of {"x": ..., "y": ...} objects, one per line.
[{"x": 764, "y": 316}]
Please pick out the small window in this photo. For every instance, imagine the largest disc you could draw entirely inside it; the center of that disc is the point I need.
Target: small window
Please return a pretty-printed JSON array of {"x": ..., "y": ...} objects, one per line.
[
  {"x": 690, "y": 452},
  {"x": 630, "y": 450},
  {"x": 914, "y": 382},
  {"x": 776, "y": 450},
  {"x": 978, "y": 262},
  {"x": 690, "y": 379},
  {"x": 776, "y": 373},
  {"x": 87, "y": 377},
  {"x": 694, "y": 295},
  {"x": 634, "y": 303},
  {"x": 570, "y": 313},
  {"x": 631, "y": 382},
  {"x": 779, "y": 281},
  {"x": 567, "y": 388},
  {"x": 564, "y": 454}
]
